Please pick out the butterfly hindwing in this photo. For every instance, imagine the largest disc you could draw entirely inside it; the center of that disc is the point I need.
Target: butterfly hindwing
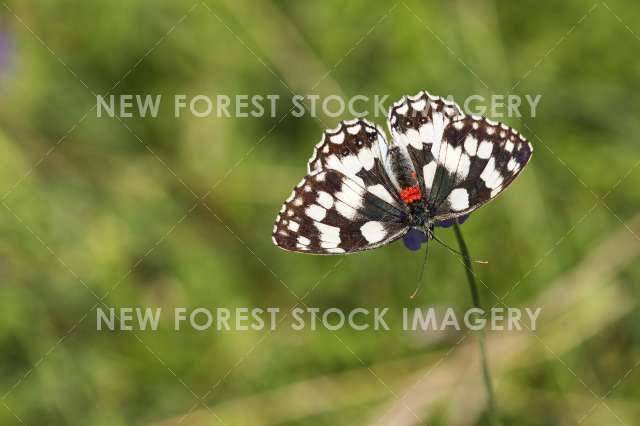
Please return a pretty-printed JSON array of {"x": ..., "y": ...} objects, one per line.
[{"x": 330, "y": 213}]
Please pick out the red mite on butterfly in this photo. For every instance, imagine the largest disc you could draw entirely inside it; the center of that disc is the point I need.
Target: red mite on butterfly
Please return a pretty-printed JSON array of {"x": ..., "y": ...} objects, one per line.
[{"x": 412, "y": 193}]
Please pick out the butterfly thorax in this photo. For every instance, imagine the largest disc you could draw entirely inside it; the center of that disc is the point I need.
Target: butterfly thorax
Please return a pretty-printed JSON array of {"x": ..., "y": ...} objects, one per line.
[{"x": 418, "y": 215}]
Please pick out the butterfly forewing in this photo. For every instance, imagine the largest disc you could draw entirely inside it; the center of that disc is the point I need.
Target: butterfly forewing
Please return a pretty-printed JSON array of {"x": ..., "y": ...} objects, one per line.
[
  {"x": 417, "y": 123},
  {"x": 476, "y": 160}
]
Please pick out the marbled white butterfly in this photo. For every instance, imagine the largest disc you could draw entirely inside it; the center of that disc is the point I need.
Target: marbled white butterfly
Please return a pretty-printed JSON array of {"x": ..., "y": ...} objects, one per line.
[{"x": 361, "y": 192}]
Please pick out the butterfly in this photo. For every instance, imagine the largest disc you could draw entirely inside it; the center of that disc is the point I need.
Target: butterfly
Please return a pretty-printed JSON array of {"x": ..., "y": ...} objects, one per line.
[{"x": 361, "y": 192}]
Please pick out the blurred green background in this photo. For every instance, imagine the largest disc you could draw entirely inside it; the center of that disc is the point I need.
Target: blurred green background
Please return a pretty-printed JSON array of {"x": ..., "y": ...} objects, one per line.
[{"x": 105, "y": 211}]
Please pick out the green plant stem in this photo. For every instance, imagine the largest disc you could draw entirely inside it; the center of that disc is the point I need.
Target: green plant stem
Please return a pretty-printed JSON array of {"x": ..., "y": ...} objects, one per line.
[{"x": 475, "y": 296}]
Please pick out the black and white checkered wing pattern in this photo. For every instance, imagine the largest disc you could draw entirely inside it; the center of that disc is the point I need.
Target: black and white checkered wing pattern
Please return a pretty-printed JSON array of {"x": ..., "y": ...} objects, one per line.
[
  {"x": 475, "y": 161},
  {"x": 417, "y": 123},
  {"x": 346, "y": 203}
]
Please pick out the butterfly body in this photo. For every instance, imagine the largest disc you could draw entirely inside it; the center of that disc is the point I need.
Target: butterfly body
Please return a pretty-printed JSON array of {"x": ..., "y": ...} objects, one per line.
[
  {"x": 362, "y": 192},
  {"x": 405, "y": 180}
]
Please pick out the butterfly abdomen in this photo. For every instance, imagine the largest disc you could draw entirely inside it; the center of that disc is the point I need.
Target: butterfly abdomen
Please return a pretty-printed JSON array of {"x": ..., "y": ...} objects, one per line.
[{"x": 405, "y": 176}]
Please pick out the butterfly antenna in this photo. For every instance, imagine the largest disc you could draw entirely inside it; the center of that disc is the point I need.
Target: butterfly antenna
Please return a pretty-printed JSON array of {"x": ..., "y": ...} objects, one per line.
[
  {"x": 424, "y": 264},
  {"x": 451, "y": 249}
]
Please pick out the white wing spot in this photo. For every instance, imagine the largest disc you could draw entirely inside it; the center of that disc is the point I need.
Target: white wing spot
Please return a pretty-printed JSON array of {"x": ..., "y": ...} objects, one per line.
[
  {"x": 316, "y": 212},
  {"x": 491, "y": 176},
  {"x": 303, "y": 240},
  {"x": 471, "y": 145},
  {"x": 419, "y": 105},
  {"x": 464, "y": 165},
  {"x": 329, "y": 244},
  {"x": 345, "y": 210},
  {"x": 366, "y": 158},
  {"x": 293, "y": 226},
  {"x": 459, "y": 199},
  {"x": 429, "y": 172},
  {"x": 373, "y": 231},
  {"x": 350, "y": 165},
  {"x": 328, "y": 232},
  {"x": 350, "y": 194},
  {"x": 335, "y": 250},
  {"x": 381, "y": 192},
  {"x": 337, "y": 138},
  {"x": 488, "y": 171},
  {"x": 403, "y": 109},
  {"x": 354, "y": 130},
  {"x": 484, "y": 150},
  {"x": 451, "y": 157},
  {"x": 325, "y": 199}
]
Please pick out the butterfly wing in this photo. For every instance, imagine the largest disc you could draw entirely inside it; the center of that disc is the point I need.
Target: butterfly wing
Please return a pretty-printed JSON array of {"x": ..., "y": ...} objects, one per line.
[
  {"x": 347, "y": 202},
  {"x": 417, "y": 124},
  {"x": 476, "y": 161},
  {"x": 461, "y": 161}
]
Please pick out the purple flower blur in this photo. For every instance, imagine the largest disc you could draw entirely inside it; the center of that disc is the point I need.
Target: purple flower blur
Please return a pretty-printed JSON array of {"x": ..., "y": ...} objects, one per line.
[
  {"x": 449, "y": 222},
  {"x": 414, "y": 239}
]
